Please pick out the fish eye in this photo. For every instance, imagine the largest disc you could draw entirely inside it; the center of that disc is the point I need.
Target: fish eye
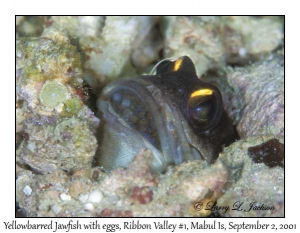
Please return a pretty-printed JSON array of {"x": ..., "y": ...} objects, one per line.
[
  {"x": 203, "y": 111},
  {"x": 203, "y": 108}
]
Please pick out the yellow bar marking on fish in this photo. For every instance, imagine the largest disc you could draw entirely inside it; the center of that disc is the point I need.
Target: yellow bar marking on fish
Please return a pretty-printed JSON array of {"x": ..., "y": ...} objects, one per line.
[
  {"x": 202, "y": 92},
  {"x": 177, "y": 64}
]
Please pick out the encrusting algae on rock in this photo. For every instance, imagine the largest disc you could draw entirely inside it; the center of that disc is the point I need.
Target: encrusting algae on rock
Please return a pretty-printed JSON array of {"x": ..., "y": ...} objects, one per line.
[{"x": 59, "y": 126}]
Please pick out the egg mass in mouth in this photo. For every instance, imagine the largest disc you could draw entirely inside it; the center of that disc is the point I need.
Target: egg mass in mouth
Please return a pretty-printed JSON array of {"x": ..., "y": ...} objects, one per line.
[{"x": 172, "y": 112}]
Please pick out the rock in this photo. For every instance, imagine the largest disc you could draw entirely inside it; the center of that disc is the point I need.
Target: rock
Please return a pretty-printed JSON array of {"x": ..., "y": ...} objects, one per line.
[
  {"x": 253, "y": 95},
  {"x": 213, "y": 41},
  {"x": 251, "y": 183}
]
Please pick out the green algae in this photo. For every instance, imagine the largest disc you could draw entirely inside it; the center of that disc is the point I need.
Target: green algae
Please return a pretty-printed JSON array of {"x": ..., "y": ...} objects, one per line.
[
  {"x": 71, "y": 107},
  {"x": 34, "y": 74},
  {"x": 52, "y": 94},
  {"x": 78, "y": 135},
  {"x": 44, "y": 59}
]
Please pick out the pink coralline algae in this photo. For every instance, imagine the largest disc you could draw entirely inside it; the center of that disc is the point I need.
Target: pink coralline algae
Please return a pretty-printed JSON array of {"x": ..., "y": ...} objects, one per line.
[{"x": 142, "y": 195}]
